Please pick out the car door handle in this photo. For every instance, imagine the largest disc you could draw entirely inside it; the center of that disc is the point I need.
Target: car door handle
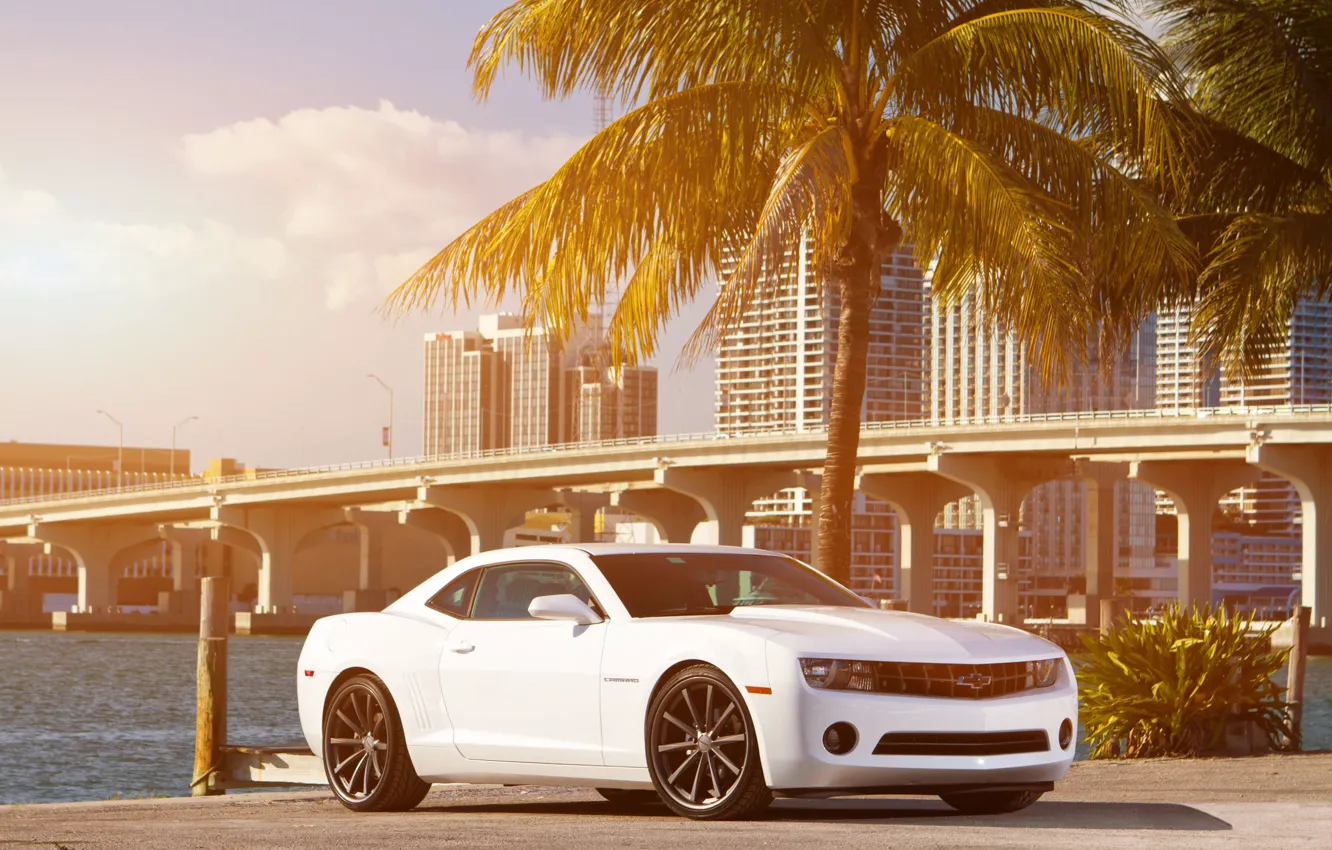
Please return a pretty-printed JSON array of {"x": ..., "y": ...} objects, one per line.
[{"x": 461, "y": 647}]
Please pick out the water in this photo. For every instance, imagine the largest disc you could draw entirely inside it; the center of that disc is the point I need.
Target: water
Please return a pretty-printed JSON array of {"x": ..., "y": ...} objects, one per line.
[
  {"x": 99, "y": 716},
  {"x": 94, "y": 717}
]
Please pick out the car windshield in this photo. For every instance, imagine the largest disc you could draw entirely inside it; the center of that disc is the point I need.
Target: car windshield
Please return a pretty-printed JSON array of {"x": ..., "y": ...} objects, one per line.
[{"x": 666, "y": 584}]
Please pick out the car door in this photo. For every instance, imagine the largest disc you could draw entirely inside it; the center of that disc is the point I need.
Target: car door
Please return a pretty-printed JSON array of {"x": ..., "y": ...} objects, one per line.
[{"x": 521, "y": 689}]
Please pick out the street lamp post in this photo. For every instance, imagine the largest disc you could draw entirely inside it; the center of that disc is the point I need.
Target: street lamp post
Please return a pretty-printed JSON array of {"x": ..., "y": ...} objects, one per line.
[
  {"x": 120, "y": 452},
  {"x": 390, "y": 412},
  {"x": 179, "y": 424}
]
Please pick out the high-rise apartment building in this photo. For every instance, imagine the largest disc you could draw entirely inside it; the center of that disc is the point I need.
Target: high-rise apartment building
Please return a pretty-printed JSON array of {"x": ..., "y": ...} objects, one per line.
[
  {"x": 775, "y": 370},
  {"x": 505, "y": 386},
  {"x": 1183, "y": 383}
]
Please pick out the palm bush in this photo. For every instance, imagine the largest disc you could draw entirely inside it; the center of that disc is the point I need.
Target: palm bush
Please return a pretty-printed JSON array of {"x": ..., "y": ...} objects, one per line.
[{"x": 1169, "y": 687}]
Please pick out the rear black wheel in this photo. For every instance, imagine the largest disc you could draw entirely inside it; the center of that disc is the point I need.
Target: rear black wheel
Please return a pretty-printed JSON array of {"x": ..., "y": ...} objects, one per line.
[
  {"x": 629, "y": 798},
  {"x": 365, "y": 752},
  {"x": 990, "y": 802},
  {"x": 703, "y": 754}
]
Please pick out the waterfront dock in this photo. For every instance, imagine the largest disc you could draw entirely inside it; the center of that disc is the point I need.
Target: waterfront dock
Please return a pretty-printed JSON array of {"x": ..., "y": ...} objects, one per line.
[{"x": 1281, "y": 802}]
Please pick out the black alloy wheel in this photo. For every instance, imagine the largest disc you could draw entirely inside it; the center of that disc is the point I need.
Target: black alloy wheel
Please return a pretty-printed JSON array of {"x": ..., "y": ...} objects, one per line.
[
  {"x": 365, "y": 752},
  {"x": 702, "y": 752}
]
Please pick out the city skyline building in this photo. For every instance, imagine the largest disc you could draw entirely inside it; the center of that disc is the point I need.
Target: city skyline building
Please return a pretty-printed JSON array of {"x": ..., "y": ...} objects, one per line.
[{"x": 504, "y": 385}]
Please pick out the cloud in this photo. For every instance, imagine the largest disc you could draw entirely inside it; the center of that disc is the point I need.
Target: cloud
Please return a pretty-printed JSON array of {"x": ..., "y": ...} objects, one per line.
[
  {"x": 45, "y": 247},
  {"x": 374, "y": 192}
]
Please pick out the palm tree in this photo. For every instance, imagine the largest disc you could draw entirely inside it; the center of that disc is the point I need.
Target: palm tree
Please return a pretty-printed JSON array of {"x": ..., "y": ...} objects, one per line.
[
  {"x": 991, "y": 136},
  {"x": 1260, "y": 72}
]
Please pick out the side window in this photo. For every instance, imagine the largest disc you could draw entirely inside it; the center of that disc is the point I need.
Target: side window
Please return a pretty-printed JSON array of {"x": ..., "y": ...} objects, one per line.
[
  {"x": 456, "y": 597},
  {"x": 505, "y": 592}
]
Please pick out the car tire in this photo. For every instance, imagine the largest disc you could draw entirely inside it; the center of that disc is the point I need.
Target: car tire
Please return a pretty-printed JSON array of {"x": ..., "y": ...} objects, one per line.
[
  {"x": 629, "y": 798},
  {"x": 365, "y": 751},
  {"x": 991, "y": 802},
  {"x": 701, "y": 698}
]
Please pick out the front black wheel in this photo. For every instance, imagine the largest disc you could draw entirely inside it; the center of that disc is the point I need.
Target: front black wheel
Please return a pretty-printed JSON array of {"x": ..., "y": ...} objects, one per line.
[
  {"x": 990, "y": 802},
  {"x": 365, "y": 752},
  {"x": 703, "y": 754}
]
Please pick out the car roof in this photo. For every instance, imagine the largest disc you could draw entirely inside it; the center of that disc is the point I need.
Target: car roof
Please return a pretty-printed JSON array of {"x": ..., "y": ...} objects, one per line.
[{"x": 555, "y": 549}]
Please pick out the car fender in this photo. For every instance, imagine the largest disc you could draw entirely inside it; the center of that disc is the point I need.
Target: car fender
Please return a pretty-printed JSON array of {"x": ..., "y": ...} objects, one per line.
[
  {"x": 403, "y": 652},
  {"x": 640, "y": 654}
]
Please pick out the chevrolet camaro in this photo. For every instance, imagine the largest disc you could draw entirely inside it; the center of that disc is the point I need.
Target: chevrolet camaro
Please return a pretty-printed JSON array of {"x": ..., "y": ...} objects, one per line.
[{"x": 709, "y": 678}]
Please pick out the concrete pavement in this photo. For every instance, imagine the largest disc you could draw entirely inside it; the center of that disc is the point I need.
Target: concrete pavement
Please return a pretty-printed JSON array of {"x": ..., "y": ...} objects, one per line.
[{"x": 1270, "y": 802}]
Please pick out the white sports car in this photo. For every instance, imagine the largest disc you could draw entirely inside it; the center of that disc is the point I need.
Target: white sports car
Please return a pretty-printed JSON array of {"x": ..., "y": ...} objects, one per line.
[{"x": 712, "y": 678}]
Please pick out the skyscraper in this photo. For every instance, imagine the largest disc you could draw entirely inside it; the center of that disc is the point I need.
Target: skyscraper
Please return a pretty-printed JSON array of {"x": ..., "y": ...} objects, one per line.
[
  {"x": 775, "y": 370},
  {"x": 503, "y": 386}
]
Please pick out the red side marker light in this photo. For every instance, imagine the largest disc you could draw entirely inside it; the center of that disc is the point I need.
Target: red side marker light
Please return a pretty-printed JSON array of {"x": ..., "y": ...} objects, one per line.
[
  {"x": 754, "y": 689},
  {"x": 309, "y": 673}
]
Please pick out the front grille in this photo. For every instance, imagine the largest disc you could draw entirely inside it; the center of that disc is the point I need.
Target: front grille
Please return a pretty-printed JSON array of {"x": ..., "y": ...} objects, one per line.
[
  {"x": 962, "y": 743},
  {"x": 955, "y": 681}
]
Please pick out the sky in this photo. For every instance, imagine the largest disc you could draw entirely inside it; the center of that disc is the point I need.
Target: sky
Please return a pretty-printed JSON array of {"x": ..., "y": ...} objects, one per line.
[{"x": 202, "y": 206}]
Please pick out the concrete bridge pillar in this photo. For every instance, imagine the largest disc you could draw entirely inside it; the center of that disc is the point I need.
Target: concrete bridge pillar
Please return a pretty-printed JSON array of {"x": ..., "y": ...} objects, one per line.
[
  {"x": 582, "y": 508},
  {"x": 184, "y": 545},
  {"x": 488, "y": 511},
  {"x": 15, "y": 596},
  {"x": 725, "y": 496},
  {"x": 1195, "y": 486},
  {"x": 917, "y": 498},
  {"x": 371, "y": 527},
  {"x": 674, "y": 515},
  {"x": 277, "y": 531},
  {"x": 812, "y": 483},
  {"x": 93, "y": 547},
  {"x": 1099, "y": 544},
  {"x": 448, "y": 528},
  {"x": 1001, "y": 483},
  {"x": 1309, "y": 468}
]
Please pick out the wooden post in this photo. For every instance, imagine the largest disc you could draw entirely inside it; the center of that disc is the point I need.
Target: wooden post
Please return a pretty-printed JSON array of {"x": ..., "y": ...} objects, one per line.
[
  {"x": 1299, "y": 653},
  {"x": 210, "y": 730}
]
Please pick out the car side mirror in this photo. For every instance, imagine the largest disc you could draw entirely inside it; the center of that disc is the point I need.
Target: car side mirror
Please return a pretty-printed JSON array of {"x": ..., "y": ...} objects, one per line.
[{"x": 563, "y": 606}]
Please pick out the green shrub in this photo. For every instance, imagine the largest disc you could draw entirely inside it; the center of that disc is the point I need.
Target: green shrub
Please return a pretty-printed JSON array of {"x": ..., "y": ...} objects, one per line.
[{"x": 1169, "y": 687}]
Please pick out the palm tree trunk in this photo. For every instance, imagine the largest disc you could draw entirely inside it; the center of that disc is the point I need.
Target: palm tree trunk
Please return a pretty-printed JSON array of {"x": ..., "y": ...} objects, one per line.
[
  {"x": 848, "y": 393},
  {"x": 857, "y": 276}
]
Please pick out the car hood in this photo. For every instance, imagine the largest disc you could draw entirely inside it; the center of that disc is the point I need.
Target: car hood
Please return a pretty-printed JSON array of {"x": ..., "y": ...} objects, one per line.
[{"x": 874, "y": 635}]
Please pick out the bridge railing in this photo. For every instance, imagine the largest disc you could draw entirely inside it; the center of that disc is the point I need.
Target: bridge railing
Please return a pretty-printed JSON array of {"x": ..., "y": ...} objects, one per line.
[{"x": 667, "y": 440}]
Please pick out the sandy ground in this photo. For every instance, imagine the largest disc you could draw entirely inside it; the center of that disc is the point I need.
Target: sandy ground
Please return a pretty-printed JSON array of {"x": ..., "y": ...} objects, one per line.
[{"x": 1268, "y": 802}]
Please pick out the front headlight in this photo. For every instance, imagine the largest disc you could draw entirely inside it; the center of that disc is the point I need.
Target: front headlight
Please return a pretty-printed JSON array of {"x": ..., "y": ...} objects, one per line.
[
  {"x": 1042, "y": 674},
  {"x": 835, "y": 674}
]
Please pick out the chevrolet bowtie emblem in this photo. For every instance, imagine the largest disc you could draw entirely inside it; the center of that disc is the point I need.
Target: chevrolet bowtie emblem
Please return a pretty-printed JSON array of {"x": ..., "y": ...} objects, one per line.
[{"x": 974, "y": 680}]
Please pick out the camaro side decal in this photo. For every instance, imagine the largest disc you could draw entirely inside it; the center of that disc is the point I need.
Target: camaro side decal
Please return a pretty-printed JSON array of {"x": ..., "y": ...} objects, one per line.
[{"x": 616, "y": 679}]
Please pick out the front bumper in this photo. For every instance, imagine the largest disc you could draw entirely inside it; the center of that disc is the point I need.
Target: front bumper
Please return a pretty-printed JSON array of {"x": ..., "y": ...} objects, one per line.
[{"x": 791, "y": 722}]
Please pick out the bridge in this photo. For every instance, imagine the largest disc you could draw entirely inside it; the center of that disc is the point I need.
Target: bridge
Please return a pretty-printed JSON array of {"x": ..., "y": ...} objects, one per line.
[{"x": 676, "y": 482}]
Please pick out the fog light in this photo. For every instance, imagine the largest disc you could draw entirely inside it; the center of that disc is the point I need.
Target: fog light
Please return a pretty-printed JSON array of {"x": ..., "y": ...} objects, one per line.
[
  {"x": 1065, "y": 734},
  {"x": 840, "y": 738}
]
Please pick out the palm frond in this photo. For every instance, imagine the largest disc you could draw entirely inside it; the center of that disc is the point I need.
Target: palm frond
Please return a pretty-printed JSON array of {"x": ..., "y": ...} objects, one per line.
[
  {"x": 638, "y": 50},
  {"x": 1083, "y": 73},
  {"x": 994, "y": 231},
  {"x": 1263, "y": 67},
  {"x": 1262, "y": 265},
  {"x": 664, "y": 164},
  {"x": 809, "y": 195}
]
